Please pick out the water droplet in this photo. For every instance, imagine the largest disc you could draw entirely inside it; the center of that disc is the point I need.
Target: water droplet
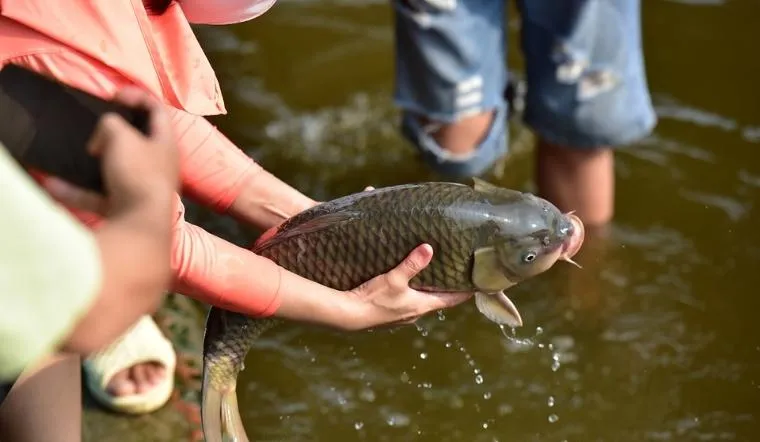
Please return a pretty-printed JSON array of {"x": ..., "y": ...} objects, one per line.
[
  {"x": 456, "y": 402},
  {"x": 553, "y": 418},
  {"x": 487, "y": 395},
  {"x": 423, "y": 331},
  {"x": 398, "y": 420},
  {"x": 367, "y": 394},
  {"x": 539, "y": 330},
  {"x": 242, "y": 366},
  {"x": 405, "y": 377},
  {"x": 441, "y": 315},
  {"x": 550, "y": 401},
  {"x": 423, "y": 355},
  {"x": 478, "y": 379},
  {"x": 448, "y": 344},
  {"x": 555, "y": 361},
  {"x": 358, "y": 425},
  {"x": 485, "y": 425}
]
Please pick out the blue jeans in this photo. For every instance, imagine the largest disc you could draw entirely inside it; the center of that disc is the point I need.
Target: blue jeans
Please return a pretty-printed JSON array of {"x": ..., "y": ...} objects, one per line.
[{"x": 584, "y": 70}]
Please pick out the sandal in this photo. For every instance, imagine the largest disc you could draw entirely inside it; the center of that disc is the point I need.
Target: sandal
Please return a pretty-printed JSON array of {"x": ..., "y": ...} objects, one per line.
[{"x": 142, "y": 343}]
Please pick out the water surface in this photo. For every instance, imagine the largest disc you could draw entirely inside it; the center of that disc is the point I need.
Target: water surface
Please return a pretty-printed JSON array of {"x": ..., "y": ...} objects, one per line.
[{"x": 655, "y": 340}]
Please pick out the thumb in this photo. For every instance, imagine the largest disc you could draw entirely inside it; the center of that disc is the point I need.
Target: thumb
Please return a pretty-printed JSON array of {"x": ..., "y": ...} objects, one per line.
[
  {"x": 105, "y": 133},
  {"x": 159, "y": 121},
  {"x": 417, "y": 260}
]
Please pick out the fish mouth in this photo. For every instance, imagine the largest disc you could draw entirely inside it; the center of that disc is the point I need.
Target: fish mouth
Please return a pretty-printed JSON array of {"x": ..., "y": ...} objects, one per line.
[{"x": 574, "y": 242}]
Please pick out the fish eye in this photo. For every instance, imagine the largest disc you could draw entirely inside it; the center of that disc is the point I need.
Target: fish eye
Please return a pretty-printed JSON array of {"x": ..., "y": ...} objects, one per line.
[{"x": 529, "y": 257}]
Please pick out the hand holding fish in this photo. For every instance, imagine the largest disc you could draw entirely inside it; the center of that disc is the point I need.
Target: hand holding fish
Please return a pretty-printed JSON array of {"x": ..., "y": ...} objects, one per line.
[{"x": 387, "y": 299}]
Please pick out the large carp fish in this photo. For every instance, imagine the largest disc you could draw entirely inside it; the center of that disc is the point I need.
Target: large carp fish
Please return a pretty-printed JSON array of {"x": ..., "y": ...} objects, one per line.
[{"x": 485, "y": 240}]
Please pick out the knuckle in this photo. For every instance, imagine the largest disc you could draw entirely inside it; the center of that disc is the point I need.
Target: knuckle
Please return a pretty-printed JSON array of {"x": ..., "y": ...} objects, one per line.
[
  {"x": 412, "y": 264},
  {"x": 395, "y": 280}
]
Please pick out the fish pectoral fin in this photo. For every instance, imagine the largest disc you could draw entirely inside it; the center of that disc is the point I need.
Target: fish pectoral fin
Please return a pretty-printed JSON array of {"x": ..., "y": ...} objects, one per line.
[
  {"x": 486, "y": 272},
  {"x": 498, "y": 308}
]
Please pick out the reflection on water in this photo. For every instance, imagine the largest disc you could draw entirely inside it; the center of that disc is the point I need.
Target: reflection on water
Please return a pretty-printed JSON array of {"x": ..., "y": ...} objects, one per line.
[{"x": 652, "y": 340}]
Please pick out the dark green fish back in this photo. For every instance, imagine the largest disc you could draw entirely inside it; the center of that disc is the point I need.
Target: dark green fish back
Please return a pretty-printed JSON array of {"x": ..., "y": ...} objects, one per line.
[{"x": 348, "y": 241}]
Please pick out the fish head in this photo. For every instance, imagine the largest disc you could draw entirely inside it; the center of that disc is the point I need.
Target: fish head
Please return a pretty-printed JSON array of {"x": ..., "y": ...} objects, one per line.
[
  {"x": 534, "y": 234},
  {"x": 524, "y": 235}
]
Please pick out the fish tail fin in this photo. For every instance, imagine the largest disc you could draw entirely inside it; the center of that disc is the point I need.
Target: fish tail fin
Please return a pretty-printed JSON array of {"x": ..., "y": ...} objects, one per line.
[
  {"x": 211, "y": 412},
  {"x": 226, "y": 342},
  {"x": 220, "y": 415},
  {"x": 232, "y": 423}
]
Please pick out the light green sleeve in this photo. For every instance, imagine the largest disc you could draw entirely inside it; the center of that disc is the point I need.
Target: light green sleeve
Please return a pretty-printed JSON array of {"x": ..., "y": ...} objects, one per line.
[{"x": 50, "y": 270}]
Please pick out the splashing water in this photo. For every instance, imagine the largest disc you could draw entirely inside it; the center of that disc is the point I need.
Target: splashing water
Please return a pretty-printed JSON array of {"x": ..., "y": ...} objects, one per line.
[
  {"x": 528, "y": 342},
  {"x": 533, "y": 342},
  {"x": 518, "y": 343}
]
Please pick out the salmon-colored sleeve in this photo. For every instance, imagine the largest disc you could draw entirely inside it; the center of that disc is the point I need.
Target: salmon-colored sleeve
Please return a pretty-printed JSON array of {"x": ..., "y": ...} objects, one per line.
[
  {"x": 213, "y": 170},
  {"x": 210, "y": 269},
  {"x": 217, "y": 272}
]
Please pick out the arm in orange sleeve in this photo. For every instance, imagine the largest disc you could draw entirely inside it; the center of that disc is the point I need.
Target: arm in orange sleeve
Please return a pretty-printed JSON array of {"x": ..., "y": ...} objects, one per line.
[
  {"x": 217, "y": 272},
  {"x": 218, "y": 174},
  {"x": 215, "y": 172},
  {"x": 210, "y": 269}
]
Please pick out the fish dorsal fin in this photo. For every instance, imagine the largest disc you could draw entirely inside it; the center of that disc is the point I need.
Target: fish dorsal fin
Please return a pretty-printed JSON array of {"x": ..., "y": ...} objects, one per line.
[
  {"x": 491, "y": 189},
  {"x": 482, "y": 185},
  {"x": 487, "y": 275},
  {"x": 313, "y": 225}
]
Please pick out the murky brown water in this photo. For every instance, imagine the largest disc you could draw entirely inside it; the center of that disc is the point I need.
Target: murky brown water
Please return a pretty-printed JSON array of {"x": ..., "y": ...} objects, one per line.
[{"x": 654, "y": 340}]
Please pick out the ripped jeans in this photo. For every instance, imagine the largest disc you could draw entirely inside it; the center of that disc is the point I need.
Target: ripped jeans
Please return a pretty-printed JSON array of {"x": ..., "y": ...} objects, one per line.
[{"x": 584, "y": 70}]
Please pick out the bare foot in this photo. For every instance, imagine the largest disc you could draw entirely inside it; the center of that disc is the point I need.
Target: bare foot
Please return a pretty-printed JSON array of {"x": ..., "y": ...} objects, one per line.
[{"x": 137, "y": 379}]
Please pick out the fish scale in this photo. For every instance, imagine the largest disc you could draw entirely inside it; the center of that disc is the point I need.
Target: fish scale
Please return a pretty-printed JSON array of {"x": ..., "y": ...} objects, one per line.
[{"x": 348, "y": 241}]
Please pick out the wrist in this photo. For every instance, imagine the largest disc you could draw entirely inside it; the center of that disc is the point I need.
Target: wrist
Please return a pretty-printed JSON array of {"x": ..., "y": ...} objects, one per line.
[
  {"x": 307, "y": 301},
  {"x": 266, "y": 201}
]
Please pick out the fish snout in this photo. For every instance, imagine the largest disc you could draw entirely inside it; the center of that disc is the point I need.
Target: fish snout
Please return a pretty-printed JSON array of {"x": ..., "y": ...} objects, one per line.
[{"x": 574, "y": 233}]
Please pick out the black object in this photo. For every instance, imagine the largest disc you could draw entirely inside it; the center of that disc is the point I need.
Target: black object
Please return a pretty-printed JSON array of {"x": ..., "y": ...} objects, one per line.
[{"x": 46, "y": 125}]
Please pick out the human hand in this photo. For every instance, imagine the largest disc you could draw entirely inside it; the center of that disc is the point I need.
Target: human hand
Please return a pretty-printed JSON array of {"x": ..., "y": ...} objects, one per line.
[
  {"x": 138, "y": 171},
  {"x": 388, "y": 300}
]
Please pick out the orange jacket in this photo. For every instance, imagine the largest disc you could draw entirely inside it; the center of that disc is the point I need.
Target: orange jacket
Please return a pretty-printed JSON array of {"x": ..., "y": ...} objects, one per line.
[{"x": 102, "y": 45}]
